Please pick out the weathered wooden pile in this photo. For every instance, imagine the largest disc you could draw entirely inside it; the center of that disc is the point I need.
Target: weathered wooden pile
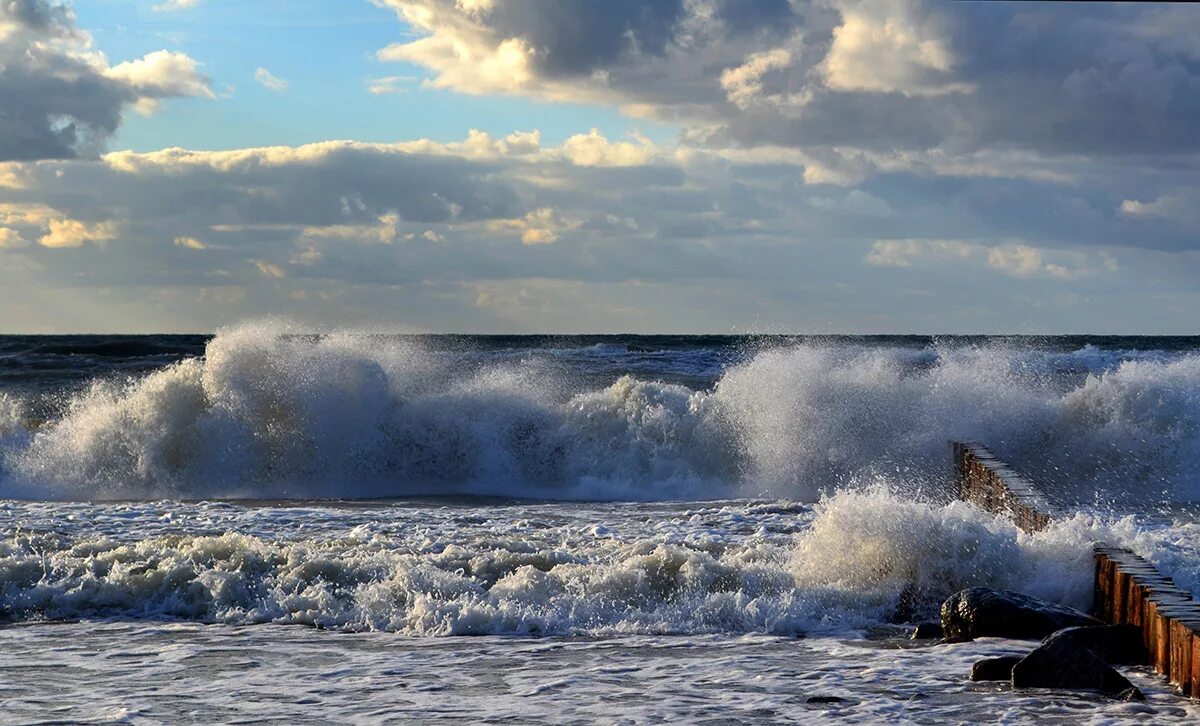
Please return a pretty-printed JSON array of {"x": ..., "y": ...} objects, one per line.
[{"x": 1129, "y": 590}]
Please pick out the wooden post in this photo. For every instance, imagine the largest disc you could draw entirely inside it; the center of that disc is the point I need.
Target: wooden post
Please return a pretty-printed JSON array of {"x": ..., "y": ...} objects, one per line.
[{"x": 1128, "y": 589}]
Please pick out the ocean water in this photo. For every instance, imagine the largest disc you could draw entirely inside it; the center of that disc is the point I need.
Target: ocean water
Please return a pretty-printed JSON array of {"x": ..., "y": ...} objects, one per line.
[{"x": 633, "y": 529}]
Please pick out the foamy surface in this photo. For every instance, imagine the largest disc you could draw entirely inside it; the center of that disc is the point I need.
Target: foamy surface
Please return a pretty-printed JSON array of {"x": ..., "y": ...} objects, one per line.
[
  {"x": 706, "y": 530},
  {"x": 735, "y": 611}
]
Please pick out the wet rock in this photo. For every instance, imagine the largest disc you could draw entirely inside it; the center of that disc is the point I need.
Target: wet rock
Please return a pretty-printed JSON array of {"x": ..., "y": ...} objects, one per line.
[
  {"x": 1113, "y": 644},
  {"x": 927, "y": 631},
  {"x": 995, "y": 669},
  {"x": 1060, "y": 663},
  {"x": 980, "y": 612}
]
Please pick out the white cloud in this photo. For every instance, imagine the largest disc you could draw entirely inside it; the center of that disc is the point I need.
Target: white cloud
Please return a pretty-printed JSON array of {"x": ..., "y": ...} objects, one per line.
[
  {"x": 1176, "y": 207},
  {"x": 384, "y": 231},
  {"x": 883, "y": 46},
  {"x": 540, "y": 227},
  {"x": 593, "y": 149},
  {"x": 70, "y": 100},
  {"x": 743, "y": 85},
  {"x": 905, "y": 252},
  {"x": 268, "y": 269},
  {"x": 163, "y": 73},
  {"x": 390, "y": 84},
  {"x": 190, "y": 243},
  {"x": 74, "y": 233},
  {"x": 269, "y": 81},
  {"x": 470, "y": 67},
  {"x": 11, "y": 239},
  {"x": 1014, "y": 259},
  {"x": 171, "y": 6}
]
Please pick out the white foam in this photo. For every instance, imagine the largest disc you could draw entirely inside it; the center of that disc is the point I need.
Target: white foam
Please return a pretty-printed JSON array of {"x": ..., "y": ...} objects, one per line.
[
  {"x": 733, "y": 569},
  {"x": 270, "y": 414}
]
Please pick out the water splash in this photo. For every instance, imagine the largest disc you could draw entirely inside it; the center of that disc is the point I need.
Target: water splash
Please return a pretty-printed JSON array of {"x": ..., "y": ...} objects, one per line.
[{"x": 268, "y": 413}]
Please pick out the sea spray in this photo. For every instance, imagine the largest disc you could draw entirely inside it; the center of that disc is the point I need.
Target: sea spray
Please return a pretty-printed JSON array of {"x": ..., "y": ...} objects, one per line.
[
  {"x": 271, "y": 413},
  {"x": 909, "y": 555}
]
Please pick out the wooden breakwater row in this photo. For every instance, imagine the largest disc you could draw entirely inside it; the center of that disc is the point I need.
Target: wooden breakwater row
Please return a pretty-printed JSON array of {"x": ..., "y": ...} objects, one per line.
[
  {"x": 1129, "y": 590},
  {"x": 994, "y": 486}
]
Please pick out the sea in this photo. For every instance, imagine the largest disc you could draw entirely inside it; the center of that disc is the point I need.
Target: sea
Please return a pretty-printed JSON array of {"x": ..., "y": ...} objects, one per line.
[{"x": 274, "y": 526}]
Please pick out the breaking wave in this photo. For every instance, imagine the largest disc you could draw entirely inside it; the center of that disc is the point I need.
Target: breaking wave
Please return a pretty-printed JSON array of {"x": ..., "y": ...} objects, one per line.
[
  {"x": 266, "y": 413},
  {"x": 868, "y": 556}
]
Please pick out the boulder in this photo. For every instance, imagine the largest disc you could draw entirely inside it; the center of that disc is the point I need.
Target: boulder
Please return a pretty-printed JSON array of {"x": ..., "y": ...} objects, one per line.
[
  {"x": 1060, "y": 663},
  {"x": 927, "y": 631},
  {"x": 979, "y": 612},
  {"x": 1113, "y": 644},
  {"x": 995, "y": 669}
]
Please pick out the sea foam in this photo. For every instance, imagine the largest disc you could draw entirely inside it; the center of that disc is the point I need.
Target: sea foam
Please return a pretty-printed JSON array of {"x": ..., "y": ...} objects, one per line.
[
  {"x": 859, "y": 557},
  {"x": 269, "y": 413}
]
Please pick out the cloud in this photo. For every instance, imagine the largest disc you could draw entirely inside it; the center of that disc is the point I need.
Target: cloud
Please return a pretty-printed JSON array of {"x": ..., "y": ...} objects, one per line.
[
  {"x": 11, "y": 239},
  {"x": 60, "y": 98},
  {"x": 269, "y": 81},
  {"x": 74, "y": 233},
  {"x": 540, "y": 227},
  {"x": 171, "y": 6},
  {"x": 354, "y": 231},
  {"x": 906, "y": 252},
  {"x": 912, "y": 82},
  {"x": 1014, "y": 259},
  {"x": 190, "y": 243},
  {"x": 390, "y": 84},
  {"x": 268, "y": 269},
  {"x": 593, "y": 149},
  {"x": 744, "y": 84},
  {"x": 161, "y": 74},
  {"x": 856, "y": 202},
  {"x": 1177, "y": 207},
  {"x": 885, "y": 46}
]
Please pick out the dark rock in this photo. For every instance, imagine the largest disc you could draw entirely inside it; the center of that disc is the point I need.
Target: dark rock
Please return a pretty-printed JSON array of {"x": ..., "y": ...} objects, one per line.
[
  {"x": 824, "y": 699},
  {"x": 1131, "y": 694},
  {"x": 995, "y": 669},
  {"x": 1113, "y": 644},
  {"x": 907, "y": 606},
  {"x": 927, "y": 631},
  {"x": 1059, "y": 663},
  {"x": 980, "y": 612}
]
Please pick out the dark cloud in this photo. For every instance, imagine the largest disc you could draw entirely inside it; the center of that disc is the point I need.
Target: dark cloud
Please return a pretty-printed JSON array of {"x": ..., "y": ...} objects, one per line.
[
  {"x": 576, "y": 37},
  {"x": 58, "y": 97},
  {"x": 1057, "y": 78}
]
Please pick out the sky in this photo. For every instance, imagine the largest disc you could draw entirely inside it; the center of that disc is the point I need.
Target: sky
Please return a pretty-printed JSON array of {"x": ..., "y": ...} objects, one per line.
[{"x": 524, "y": 166}]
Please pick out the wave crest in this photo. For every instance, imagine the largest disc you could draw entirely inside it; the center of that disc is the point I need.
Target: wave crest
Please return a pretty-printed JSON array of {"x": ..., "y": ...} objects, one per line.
[{"x": 268, "y": 413}]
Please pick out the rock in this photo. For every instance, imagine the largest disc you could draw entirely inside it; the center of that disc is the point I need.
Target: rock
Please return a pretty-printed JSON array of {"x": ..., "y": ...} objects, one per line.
[
  {"x": 1131, "y": 694},
  {"x": 927, "y": 631},
  {"x": 824, "y": 699},
  {"x": 982, "y": 612},
  {"x": 995, "y": 669},
  {"x": 1113, "y": 644},
  {"x": 1060, "y": 663}
]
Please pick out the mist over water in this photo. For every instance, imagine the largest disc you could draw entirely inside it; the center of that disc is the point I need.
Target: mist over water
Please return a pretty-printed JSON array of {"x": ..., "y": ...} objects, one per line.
[{"x": 266, "y": 413}]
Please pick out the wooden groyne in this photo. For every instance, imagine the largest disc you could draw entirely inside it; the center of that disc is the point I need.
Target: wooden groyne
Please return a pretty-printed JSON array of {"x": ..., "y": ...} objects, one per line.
[
  {"x": 1131, "y": 591},
  {"x": 1128, "y": 589},
  {"x": 994, "y": 486}
]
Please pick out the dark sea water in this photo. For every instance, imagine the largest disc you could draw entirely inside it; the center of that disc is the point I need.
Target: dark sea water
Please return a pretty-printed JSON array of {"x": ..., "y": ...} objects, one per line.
[{"x": 636, "y": 528}]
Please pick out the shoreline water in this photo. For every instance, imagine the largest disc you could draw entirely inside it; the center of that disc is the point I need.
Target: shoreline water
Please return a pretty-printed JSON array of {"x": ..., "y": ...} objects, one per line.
[{"x": 692, "y": 503}]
